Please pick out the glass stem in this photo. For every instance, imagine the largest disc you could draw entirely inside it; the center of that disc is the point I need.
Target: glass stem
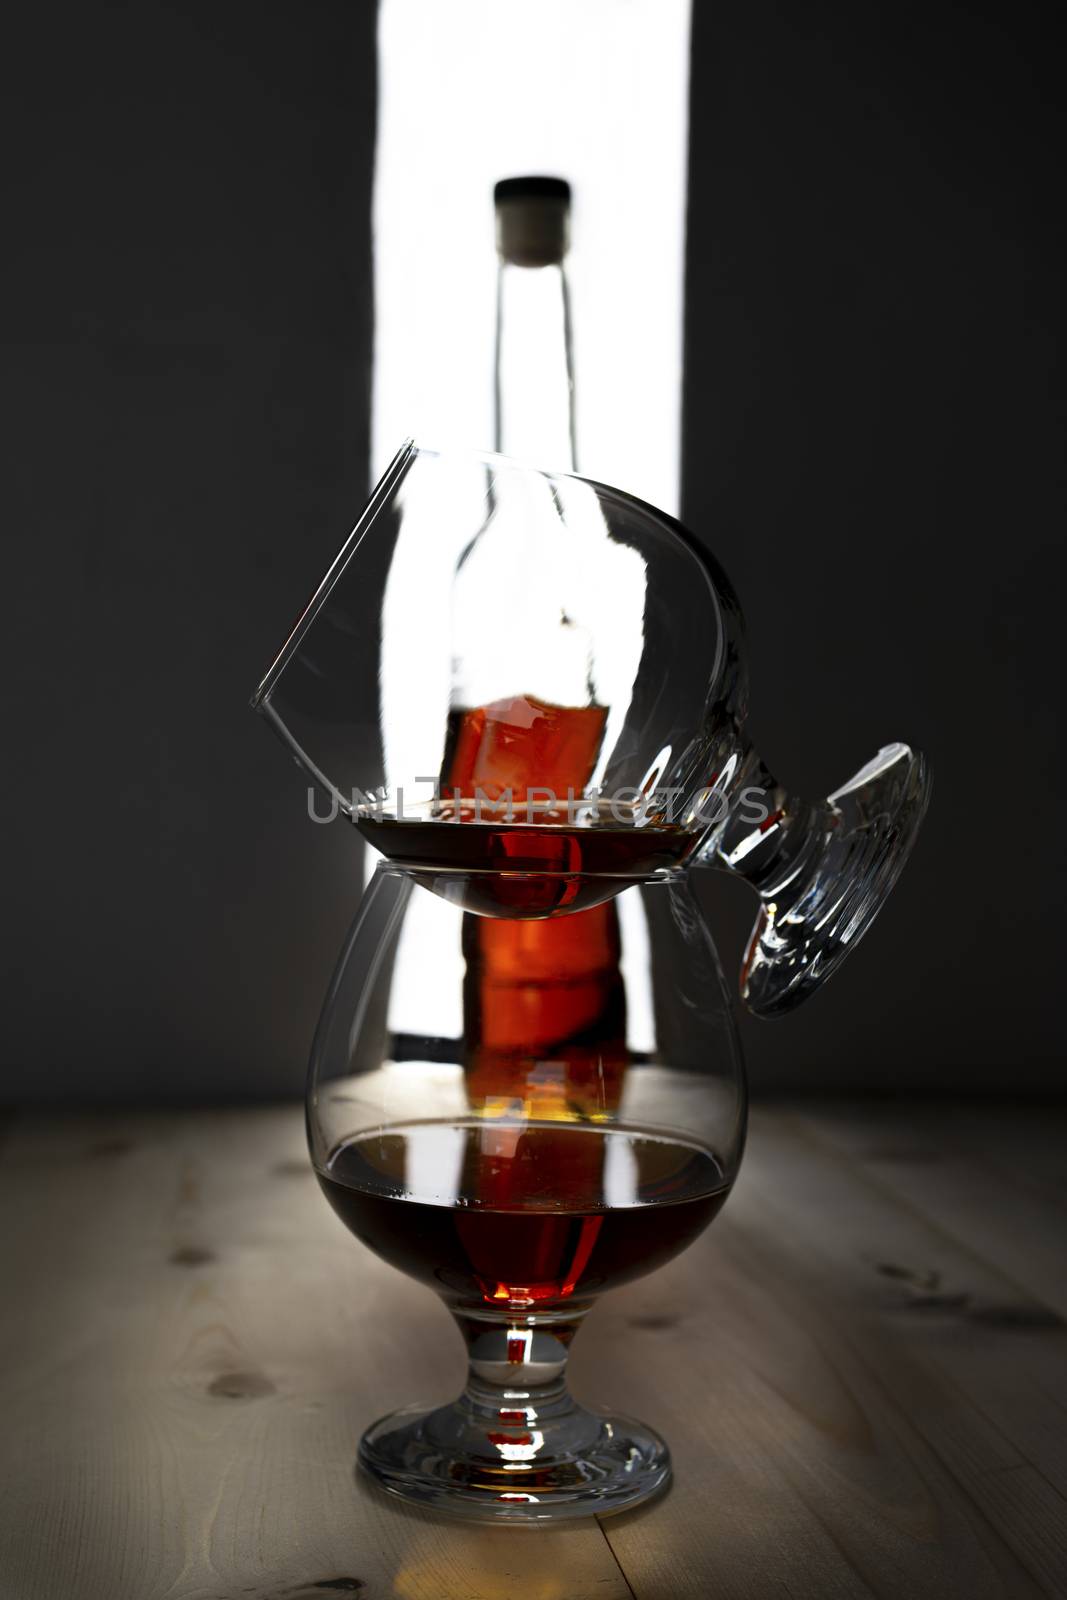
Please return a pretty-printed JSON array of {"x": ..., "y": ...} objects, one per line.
[
  {"x": 821, "y": 868},
  {"x": 516, "y": 1381},
  {"x": 772, "y": 839}
]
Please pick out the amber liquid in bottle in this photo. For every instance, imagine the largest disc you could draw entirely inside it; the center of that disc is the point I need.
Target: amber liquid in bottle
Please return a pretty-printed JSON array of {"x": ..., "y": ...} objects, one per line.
[{"x": 544, "y": 1007}]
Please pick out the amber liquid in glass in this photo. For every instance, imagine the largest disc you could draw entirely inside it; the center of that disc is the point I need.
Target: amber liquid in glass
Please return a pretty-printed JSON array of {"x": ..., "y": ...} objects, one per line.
[{"x": 526, "y": 1214}]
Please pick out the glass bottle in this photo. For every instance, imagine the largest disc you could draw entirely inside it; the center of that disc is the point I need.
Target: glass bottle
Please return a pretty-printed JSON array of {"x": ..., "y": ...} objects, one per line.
[{"x": 534, "y": 988}]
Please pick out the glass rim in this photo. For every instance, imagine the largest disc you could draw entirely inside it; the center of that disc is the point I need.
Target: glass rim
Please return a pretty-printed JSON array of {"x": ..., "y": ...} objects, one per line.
[
  {"x": 392, "y": 476},
  {"x": 415, "y": 869}
]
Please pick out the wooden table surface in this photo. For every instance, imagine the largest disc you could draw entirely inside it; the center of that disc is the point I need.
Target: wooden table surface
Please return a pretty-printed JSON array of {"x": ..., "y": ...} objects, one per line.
[{"x": 860, "y": 1369}]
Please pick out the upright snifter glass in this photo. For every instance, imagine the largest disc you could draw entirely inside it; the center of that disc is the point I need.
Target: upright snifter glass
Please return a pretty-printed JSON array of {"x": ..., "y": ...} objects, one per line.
[
  {"x": 528, "y": 691},
  {"x": 522, "y": 1126}
]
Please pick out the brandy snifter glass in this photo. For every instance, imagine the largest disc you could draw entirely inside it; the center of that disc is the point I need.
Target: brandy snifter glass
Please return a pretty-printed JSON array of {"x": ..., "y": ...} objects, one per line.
[
  {"x": 561, "y": 668},
  {"x": 543, "y": 1109}
]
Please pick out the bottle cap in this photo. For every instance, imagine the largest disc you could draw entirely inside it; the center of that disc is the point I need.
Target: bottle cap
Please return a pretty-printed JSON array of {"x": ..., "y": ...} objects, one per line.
[{"x": 532, "y": 216}]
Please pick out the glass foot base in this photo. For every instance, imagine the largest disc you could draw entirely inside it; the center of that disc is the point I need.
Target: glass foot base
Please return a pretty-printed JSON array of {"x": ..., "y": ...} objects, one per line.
[
  {"x": 855, "y": 847},
  {"x": 515, "y": 1468}
]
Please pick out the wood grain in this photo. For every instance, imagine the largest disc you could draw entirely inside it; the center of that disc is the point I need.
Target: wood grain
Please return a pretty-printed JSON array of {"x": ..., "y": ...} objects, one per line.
[
  {"x": 822, "y": 1449},
  {"x": 191, "y": 1346},
  {"x": 990, "y": 1178},
  {"x": 862, "y": 1399}
]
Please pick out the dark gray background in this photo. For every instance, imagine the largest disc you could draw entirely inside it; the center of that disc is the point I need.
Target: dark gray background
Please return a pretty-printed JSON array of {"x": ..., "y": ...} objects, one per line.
[
  {"x": 872, "y": 448},
  {"x": 874, "y": 445}
]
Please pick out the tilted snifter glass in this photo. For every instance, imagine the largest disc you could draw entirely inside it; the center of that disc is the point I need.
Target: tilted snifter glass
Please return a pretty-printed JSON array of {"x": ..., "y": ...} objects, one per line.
[
  {"x": 528, "y": 692},
  {"x": 478, "y": 599}
]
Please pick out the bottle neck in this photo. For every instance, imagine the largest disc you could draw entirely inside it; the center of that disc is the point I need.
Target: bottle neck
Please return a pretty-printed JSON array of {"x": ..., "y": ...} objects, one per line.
[{"x": 534, "y": 372}]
